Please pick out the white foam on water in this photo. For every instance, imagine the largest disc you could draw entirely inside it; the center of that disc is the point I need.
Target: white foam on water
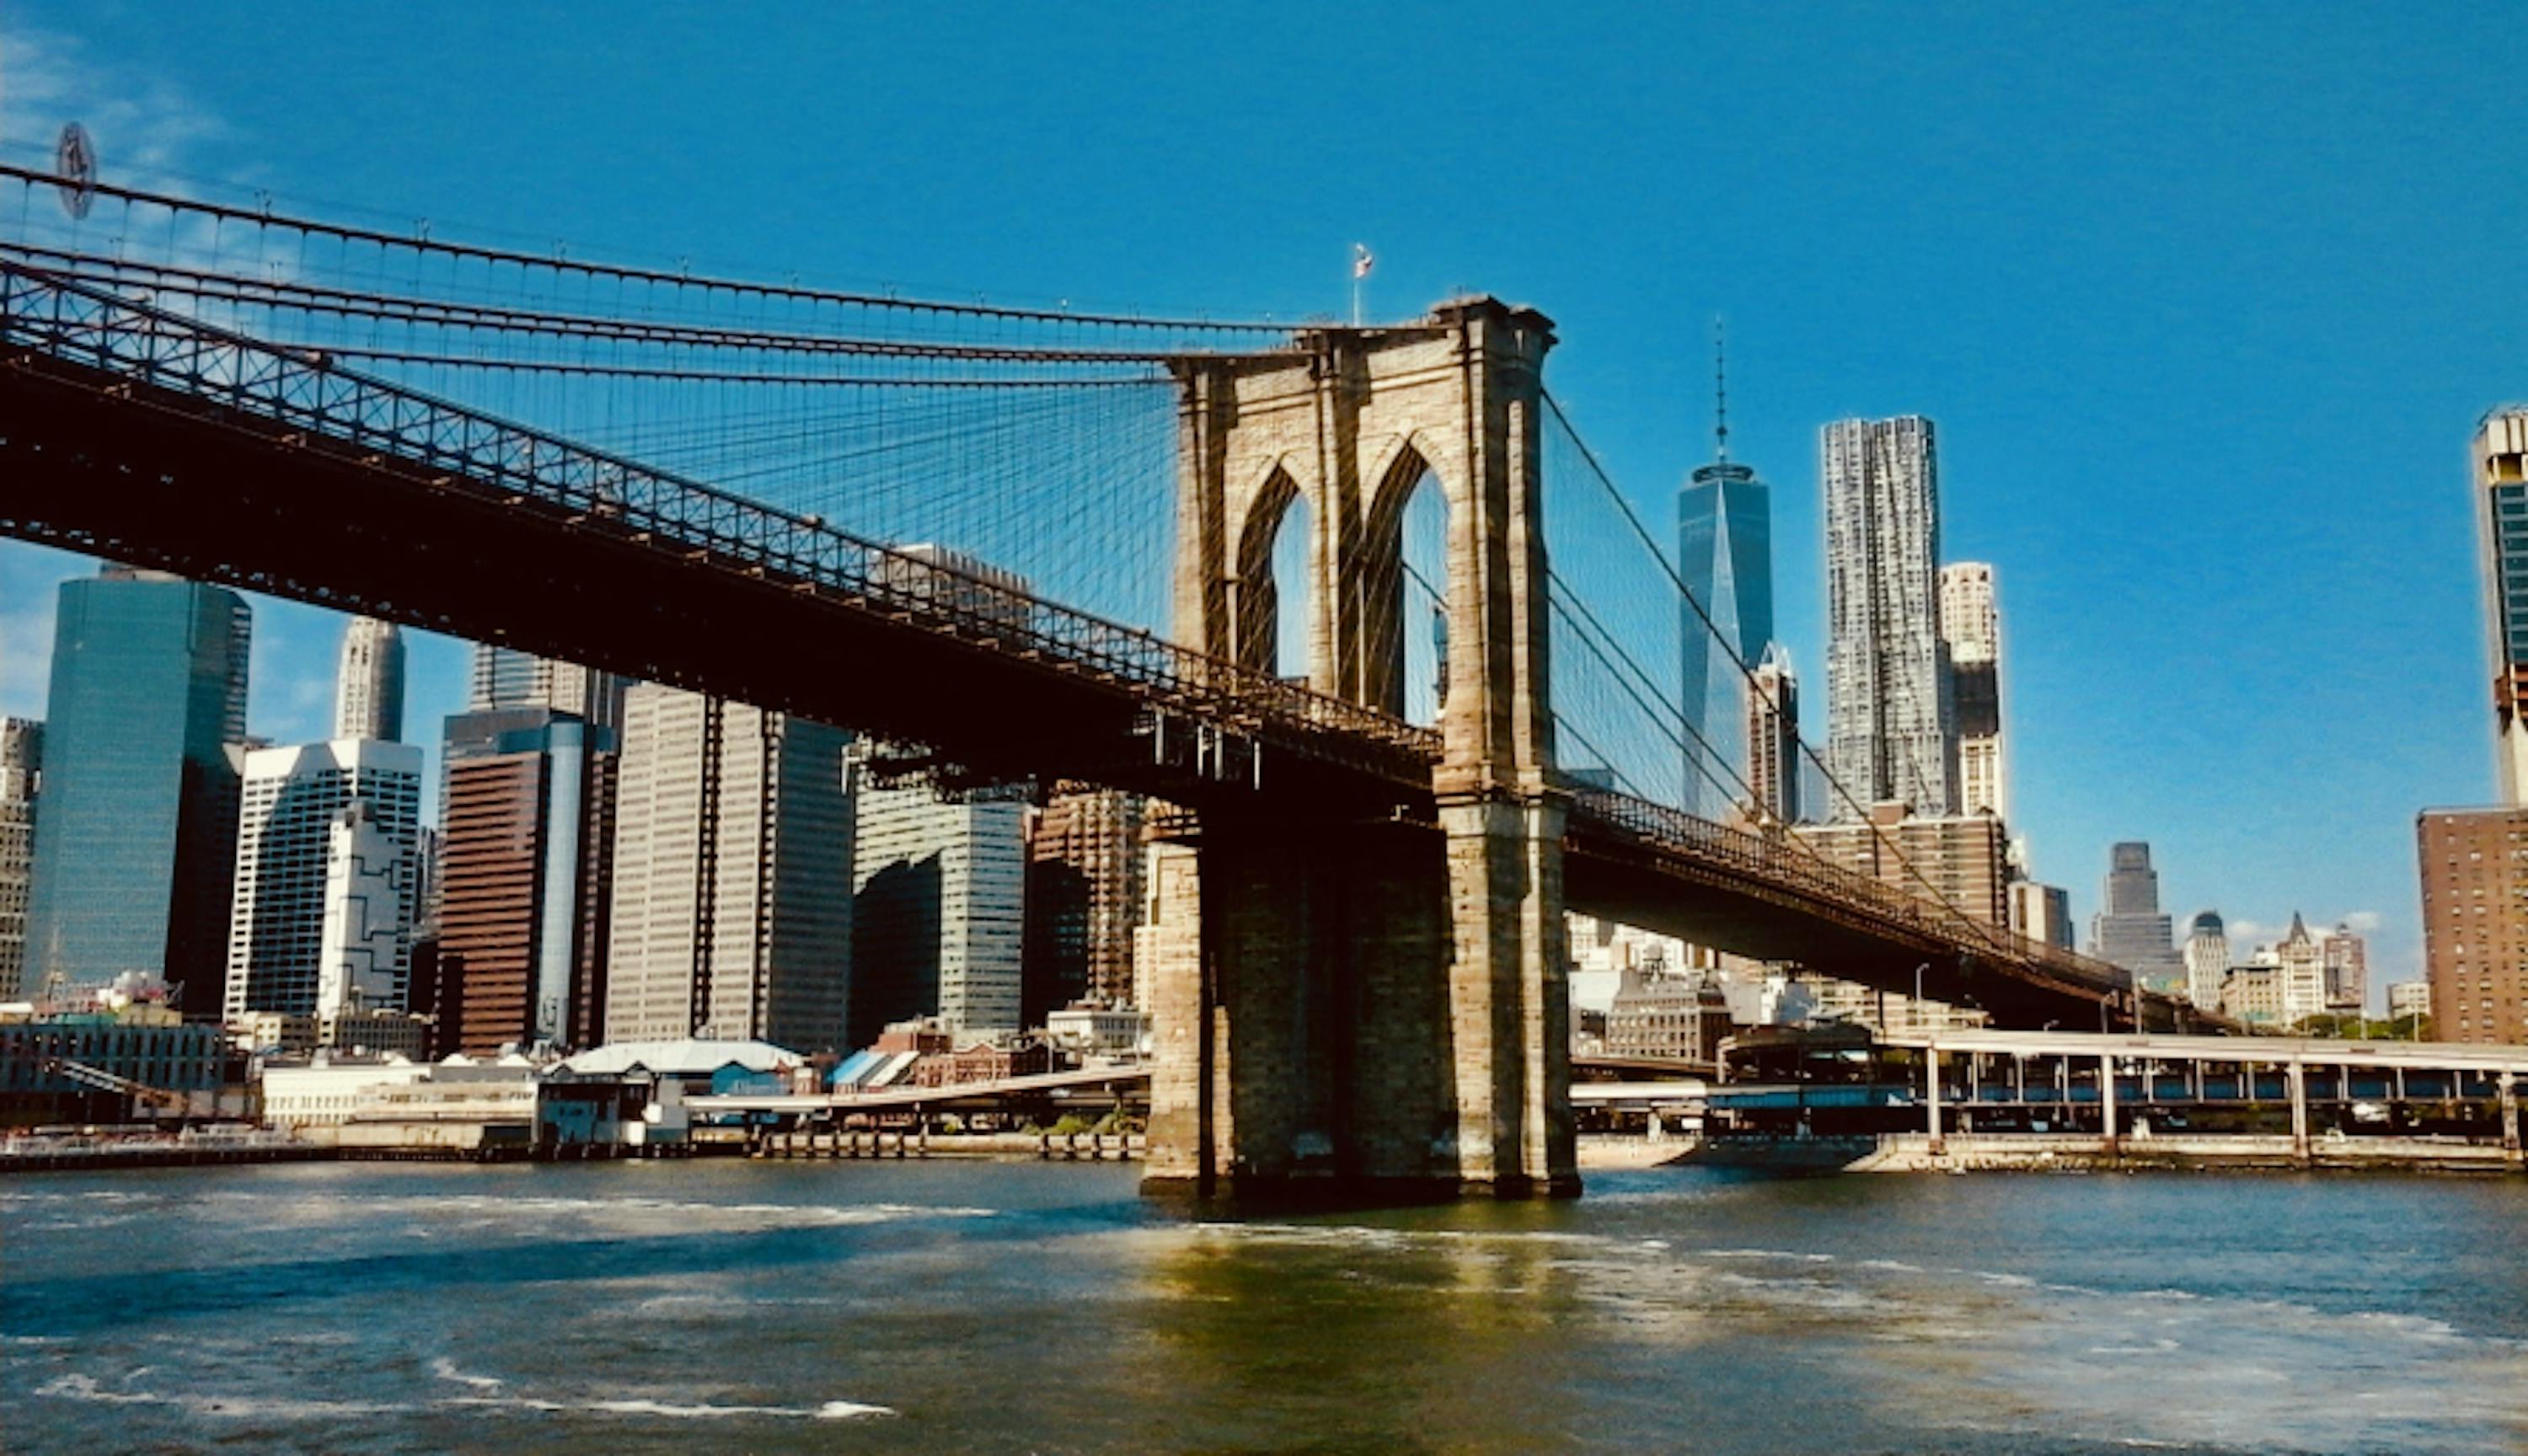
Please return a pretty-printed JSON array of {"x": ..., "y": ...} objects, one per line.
[
  {"x": 832, "y": 1410},
  {"x": 520, "y": 1209},
  {"x": 506, "y": 1403},
  {"x": 446, "y": 1368},
  {"x": 92, "y": 1220},
  {"x": 85, "y": 1388},
  {"x": 1366, "y": 1235},
  {"x": 670, "y": 1410}
]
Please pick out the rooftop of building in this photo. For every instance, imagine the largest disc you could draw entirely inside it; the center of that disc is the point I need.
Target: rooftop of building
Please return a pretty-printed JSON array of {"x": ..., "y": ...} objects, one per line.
[{"x": 686, "y": 1057}]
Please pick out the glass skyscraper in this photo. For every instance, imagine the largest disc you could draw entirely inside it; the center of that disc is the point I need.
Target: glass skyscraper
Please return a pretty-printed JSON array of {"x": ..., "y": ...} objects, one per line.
[
  {"x": 1724, "y": 529},
  {"x": 133, "y": 859}
]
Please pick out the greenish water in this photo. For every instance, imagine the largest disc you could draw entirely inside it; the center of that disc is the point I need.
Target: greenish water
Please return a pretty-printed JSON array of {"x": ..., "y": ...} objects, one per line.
[{"x": 708, "y": 1306}]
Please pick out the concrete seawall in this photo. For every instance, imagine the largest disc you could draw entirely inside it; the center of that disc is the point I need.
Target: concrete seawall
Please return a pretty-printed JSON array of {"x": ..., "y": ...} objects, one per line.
[{"x": 1915, "y": 1152}]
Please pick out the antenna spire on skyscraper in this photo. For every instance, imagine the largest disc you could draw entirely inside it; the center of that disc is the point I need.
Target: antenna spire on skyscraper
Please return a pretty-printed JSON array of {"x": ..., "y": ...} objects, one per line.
[{"x": 1720, "y": 387}]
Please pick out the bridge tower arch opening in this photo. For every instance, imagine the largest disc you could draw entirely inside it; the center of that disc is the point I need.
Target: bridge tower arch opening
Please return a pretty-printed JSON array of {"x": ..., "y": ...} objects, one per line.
[
  {"x": 1274, "y": 599},
  {"x": 1370, "y": 998},
  {"x": 1403, "y": 586}
]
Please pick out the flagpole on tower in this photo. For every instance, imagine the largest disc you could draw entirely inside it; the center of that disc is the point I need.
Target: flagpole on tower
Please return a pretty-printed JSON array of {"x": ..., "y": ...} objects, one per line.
[{"x": 1361, "y": 263}]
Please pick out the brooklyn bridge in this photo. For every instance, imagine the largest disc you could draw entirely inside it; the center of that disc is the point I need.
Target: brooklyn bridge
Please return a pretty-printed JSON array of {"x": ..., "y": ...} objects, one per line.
[{"x": 1358, "y": 604}]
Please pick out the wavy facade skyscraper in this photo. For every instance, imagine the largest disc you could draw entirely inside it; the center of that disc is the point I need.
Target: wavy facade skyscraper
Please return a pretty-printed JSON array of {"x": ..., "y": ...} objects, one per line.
[{"x": 1892, "y": 717}]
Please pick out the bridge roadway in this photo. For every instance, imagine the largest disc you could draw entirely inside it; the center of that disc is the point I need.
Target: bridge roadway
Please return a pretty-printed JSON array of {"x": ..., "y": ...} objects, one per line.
[{"x": 143, "y": 436}]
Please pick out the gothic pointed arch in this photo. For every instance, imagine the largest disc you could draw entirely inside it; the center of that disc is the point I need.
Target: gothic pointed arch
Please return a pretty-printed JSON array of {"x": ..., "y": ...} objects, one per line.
[
  {"x": 1392, "y": 590},
  {"x": 1255, "y": 595}
]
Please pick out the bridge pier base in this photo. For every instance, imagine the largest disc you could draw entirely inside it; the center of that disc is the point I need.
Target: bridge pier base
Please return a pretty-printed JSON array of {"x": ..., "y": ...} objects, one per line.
[
  {"x": 1360, "y": 1013},
  {"x": 1509, "y": 1006}
]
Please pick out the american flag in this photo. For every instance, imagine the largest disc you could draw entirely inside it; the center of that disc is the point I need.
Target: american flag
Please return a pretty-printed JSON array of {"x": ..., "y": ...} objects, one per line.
[{"x": 1361, "y": 261}]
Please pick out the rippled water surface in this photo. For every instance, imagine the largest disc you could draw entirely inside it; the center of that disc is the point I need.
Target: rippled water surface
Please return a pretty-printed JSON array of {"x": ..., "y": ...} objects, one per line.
[{"x": 714, "y": 1306}]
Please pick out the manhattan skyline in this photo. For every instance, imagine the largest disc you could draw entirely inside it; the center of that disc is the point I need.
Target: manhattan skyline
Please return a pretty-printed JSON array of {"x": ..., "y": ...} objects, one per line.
[{"x": 2205, "y": 409}]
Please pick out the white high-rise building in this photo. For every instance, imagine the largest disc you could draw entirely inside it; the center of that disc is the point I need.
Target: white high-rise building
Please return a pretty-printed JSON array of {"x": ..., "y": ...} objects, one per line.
[
  {"x": 732, "y": 909},
  {"x": 2207, "y": 960},
  {"x": 1970, "y": 625},
  {"x": 2283, "y": 984},
  {"x": 1774, "y": 740},
  {"x": 2303, "y": 973},
  {"x": 368, "y": 913},
  {"x": 286, "y": 831},
  {"x": 368, "y": 683},
  {"x": 2041, "y": 912},
  {"x": 22, "y": 755},
  {"x": 1892, "y": 731},
  {"x": 939, "y": 912}
]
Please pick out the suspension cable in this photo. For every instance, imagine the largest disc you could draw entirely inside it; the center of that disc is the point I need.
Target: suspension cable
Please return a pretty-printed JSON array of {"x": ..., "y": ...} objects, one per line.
[{"x": 740, "y": 287}]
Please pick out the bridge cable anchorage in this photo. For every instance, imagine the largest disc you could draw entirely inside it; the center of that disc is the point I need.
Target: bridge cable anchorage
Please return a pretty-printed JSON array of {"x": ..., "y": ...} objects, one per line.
[{"x": 1999, "y": 939}]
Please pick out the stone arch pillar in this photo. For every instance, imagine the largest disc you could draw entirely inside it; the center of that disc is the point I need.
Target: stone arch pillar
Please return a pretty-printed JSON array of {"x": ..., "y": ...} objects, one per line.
[{"x": 1275, "y": 1063}]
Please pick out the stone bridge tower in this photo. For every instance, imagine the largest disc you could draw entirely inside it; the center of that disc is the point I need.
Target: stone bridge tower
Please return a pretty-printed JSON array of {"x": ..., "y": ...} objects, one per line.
[{"x": 1371, "y": 1008}]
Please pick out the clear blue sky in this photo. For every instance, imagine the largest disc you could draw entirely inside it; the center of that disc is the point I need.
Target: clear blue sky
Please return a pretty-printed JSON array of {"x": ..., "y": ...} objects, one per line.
[{"x": 2205, "y": 300}]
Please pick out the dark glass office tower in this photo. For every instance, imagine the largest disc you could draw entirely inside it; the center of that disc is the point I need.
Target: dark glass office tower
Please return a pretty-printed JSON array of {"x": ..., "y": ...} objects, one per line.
[
  {"x": 1725, "y": 531},
  {"x": 134, "y": 859}
]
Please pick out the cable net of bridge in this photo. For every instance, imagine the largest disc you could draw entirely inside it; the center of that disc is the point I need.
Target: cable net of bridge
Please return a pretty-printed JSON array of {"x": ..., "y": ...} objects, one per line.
[
  {"x": 1036, "y": 444},
  {"x": 861, "y": 439}
]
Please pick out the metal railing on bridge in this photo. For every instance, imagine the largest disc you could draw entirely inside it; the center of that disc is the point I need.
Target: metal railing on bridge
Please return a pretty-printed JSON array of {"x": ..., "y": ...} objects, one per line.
[{"x": 388, "y": 426}]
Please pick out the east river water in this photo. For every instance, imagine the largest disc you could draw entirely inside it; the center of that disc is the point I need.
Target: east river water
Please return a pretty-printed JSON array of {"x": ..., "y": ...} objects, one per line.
[{"x": 725, "y": 1305}]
